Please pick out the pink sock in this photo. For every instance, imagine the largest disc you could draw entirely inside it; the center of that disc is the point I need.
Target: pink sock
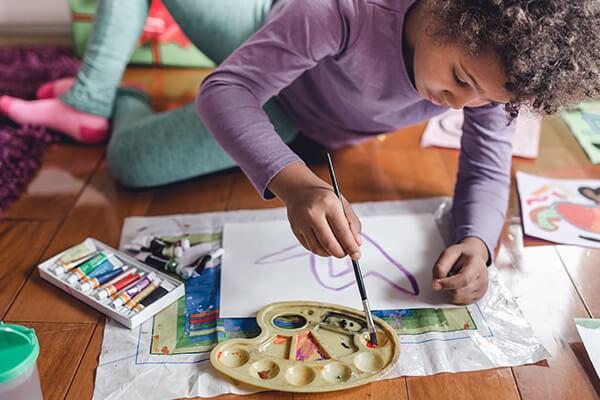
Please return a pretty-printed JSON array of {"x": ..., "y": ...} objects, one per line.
[
  {"x": 55, "y": 114},
  {"x": 55, "y": 88}
]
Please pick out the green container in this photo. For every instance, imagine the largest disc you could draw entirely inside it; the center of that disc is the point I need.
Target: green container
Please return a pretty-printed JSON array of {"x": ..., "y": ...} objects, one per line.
[{"x": 19, "y": 350}]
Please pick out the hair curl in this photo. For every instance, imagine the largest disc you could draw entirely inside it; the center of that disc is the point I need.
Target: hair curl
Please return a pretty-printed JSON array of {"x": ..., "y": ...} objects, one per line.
[{"x": 548, "y": 49}]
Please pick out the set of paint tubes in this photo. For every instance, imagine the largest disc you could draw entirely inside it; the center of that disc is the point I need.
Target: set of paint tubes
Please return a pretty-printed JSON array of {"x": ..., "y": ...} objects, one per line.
[
  {"x": 167, "y": 256},
  {"x": 112, "y": 282}
]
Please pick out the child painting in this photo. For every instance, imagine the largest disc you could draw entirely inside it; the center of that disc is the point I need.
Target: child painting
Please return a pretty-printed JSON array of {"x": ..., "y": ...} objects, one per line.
[{"x": 338, "y": 72}]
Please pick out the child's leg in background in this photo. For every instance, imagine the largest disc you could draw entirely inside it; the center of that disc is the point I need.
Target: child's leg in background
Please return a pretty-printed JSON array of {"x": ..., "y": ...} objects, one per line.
[
  {"x": 83, "y": 111},
  {"x": 118, "y": 25},
  {"x": 149, "y": 149}
]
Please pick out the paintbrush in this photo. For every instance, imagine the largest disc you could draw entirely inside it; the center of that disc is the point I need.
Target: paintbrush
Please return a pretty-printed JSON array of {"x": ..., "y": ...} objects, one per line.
[{"x": 357, "y": 273}]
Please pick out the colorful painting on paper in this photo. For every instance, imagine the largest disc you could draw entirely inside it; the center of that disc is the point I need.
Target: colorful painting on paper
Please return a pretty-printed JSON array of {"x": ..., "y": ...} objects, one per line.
[
  {"x": 563, "y": 211},
  {"x": 584, "y": 122}
]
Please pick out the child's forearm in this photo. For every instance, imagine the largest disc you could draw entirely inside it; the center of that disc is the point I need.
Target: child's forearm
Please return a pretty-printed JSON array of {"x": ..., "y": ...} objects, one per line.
[{"x": 291, "y": 178}]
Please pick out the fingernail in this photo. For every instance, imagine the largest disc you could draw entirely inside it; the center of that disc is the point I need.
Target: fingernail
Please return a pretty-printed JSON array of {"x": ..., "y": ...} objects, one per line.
[
  {"x": 355, "y": 256},
  {"x": 436, "y": 285}
]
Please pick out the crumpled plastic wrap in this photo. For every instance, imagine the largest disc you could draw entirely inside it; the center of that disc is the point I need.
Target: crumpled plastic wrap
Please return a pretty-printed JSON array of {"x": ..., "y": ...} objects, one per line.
[{"x": 503, "y": 336}]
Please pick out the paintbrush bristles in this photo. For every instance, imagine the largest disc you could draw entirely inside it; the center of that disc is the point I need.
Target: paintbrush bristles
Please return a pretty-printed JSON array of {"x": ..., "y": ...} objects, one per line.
[{"x": 373, "y": 339}]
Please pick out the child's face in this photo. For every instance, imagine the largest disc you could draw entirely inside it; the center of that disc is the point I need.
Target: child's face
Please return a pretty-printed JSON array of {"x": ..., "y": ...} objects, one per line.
[{"x": 446, "y": 76}]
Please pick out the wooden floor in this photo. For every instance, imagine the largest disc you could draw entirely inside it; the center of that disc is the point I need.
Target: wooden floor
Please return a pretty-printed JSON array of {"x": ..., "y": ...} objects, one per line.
[{"x": 74, "y": 196}]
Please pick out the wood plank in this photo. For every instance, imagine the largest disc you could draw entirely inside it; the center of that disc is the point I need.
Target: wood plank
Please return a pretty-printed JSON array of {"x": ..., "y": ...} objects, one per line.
[
  {"x": 537, "y": 279},
  {"x": 582, "y": 264},
  {"x": 20, "y": 255},
  {"x": 385, "y": 389},
  {"x": 62, "y": 347},
  {"x": 98, "y": 213},
  {"x": 489, "y": 384},
  {"x": 197, "y": 195},
  {"x": 82, "y": 386},
  {"x": 65, "y": 170}
]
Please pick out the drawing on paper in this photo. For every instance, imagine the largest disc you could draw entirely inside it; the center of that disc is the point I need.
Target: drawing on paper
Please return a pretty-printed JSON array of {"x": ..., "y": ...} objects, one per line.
[
  {"x": 338, "y": 274},
  {"x": 561, "y": 210}
]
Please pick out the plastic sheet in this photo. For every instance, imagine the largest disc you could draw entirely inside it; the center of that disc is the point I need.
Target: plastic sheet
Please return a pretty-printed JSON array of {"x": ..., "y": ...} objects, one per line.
[{"x": 492, "y": 333}]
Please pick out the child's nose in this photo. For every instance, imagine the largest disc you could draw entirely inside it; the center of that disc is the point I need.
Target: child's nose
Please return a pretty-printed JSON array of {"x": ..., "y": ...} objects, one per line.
[{"x": 458, "y": 100}]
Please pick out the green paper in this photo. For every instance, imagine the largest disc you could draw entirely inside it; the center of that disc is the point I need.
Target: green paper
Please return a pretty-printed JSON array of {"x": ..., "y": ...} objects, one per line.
[{"x": 584, "y": 122}]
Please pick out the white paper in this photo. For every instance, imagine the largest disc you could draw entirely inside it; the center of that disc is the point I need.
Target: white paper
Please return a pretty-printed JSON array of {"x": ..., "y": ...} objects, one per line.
[
  {"x": 589, "y": 330},
  {"x": 560, "y": 210},
  {"x": 264, "y": 263},
  {"x": 445, "y": 130}
]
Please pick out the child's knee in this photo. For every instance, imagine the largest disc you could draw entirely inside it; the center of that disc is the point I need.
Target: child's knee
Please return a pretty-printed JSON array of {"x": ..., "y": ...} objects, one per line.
[{"x": 123, "y": 162}]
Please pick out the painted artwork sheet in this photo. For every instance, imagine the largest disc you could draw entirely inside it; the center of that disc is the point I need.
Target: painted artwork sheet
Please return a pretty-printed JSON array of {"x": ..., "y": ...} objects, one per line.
[
  {"x": 589, "y": 330},
  {"x": 565, "y": 211},
  {"x": 167, "y": 356},
  {"x": 264, "y": 263},
  {"x": 584, "y": 122},
  {"x": 445, "y": 130}
]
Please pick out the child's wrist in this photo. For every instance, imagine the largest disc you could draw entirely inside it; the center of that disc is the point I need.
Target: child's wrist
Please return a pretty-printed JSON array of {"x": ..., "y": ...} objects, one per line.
[
  {"x": 478, "y": 246},
  {"x": 285, "y": 183}
]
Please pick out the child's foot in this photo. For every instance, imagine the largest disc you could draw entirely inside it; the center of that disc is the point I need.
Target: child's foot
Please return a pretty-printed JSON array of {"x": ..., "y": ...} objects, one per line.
[
  {"x": 57, "y": 88},
  {"x": 55, "y": 114}
]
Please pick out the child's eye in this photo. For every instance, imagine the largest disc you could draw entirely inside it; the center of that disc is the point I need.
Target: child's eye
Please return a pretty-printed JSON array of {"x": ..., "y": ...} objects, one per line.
[{"x": 458, "y": 81}]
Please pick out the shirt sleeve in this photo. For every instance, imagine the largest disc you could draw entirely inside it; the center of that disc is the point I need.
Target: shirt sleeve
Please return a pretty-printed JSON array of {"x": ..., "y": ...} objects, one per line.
[
  {"x": 230, "y": 100},
  {"x": 483, "y": 182}
]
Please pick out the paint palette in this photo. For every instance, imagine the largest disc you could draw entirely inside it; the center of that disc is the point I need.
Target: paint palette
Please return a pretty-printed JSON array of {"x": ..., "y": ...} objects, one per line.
[{"x": 309, "y": 347}]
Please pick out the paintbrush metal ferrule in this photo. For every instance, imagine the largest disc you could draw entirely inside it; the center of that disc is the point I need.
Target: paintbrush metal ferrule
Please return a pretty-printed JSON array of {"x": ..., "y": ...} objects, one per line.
[{"x": 370, "y": 323}]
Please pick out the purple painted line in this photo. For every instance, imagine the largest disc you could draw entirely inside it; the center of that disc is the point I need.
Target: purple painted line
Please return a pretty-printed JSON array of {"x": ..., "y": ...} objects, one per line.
[{"x": 272, "y": 258}]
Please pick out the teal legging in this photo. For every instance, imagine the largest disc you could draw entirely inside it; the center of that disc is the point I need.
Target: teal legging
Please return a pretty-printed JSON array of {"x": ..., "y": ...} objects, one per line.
[{"x": 146, "y": 148}]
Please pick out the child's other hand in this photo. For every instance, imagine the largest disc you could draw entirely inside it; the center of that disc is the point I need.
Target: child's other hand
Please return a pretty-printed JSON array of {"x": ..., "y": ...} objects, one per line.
[
  {"x": 315, "y": 213},
  {"x": 469, "y": 258}
]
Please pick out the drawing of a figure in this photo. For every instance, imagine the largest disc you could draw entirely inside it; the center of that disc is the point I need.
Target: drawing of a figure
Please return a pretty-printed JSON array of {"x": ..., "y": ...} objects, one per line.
[{"x": 338, "y": 274}]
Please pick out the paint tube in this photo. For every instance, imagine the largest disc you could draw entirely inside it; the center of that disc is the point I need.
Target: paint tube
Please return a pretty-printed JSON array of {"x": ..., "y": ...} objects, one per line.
[
  {"x": 99, "y": 280},
  {"x": 89, "y": 265},
  {"x": 60, "y": 269},
  {"x": 173, "y": 251},
  {"x": 132, "y": 291},
  {"x": 162, "y": 265},
  {"x": 81, "y": 272},
  {"x": 143, "y": 294},
  {"x": 207, "y": 259},
  {"x": 162, "y": 290},
  {"x": 77, "y": 252},
  {"x": 117, "y": 278},
  {"x": 107, "y": 266},
  {"x": 115, "y": 288}
]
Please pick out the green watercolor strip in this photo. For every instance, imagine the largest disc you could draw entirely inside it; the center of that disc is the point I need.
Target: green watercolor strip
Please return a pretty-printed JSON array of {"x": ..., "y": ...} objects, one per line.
[{"x": 588, "y": 323}]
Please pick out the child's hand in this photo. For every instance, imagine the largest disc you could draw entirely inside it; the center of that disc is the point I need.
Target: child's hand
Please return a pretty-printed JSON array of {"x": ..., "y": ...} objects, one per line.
[
  {"x": 470, "y": 281},
  {"x": 315, "y": 213}
]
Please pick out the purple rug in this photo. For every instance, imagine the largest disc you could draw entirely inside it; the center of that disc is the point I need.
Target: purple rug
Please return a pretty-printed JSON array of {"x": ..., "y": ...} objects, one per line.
[{"x": 22, "y": 72}]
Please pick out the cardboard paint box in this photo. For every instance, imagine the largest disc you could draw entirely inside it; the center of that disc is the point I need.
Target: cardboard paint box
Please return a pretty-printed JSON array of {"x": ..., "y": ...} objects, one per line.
[{"x": 104, "y": 306}]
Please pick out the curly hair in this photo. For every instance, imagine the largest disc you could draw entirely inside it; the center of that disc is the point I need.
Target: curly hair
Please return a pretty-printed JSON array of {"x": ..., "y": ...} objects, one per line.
[{"x": 548, "y": 49}]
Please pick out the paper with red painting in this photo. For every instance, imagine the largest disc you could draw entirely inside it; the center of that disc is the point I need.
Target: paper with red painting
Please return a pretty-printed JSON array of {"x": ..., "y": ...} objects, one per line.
[
  {"x": 445, "y": 130},
  {"x": 264, "y": 263},
  {"x": 565, "y": 211}
]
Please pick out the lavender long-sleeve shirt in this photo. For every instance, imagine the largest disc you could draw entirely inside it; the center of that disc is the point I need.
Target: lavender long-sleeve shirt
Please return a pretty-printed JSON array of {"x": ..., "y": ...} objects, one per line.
[{"x": 337, "y": 68}]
